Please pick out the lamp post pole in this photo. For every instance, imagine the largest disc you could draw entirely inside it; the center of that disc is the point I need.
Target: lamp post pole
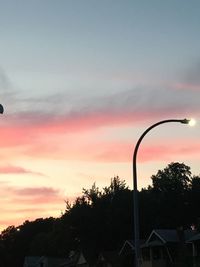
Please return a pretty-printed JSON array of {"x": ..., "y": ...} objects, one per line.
[{"x": 135, "y": 191}]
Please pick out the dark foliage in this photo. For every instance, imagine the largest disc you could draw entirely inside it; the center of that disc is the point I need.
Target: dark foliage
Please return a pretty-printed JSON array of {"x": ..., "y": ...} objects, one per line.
[{"x": 103, "y": 219}]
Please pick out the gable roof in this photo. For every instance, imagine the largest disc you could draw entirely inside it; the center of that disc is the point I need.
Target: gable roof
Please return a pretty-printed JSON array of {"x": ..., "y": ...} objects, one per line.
[
  {"x": 80, "y": 257},
  {"x": 127, "y": 244},
  {"x": 165, "y": 235},
  {"x": 169, "y": 235}
]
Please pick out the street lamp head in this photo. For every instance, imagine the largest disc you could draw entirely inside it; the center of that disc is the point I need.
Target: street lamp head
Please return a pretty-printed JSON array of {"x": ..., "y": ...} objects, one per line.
[
  {"x": 1, "y": 109},
  {"x": 185, "y": 121},
  {"x": 190, "y": 122}
]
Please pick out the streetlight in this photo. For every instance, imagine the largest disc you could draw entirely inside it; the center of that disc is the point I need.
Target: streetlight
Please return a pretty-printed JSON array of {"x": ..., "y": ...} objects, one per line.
[
  {"x": 1, "y": 109},
  {"x": 135, "y": 191}
]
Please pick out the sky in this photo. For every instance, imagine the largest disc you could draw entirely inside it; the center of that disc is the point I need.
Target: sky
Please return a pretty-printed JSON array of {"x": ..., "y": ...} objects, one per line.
[{"x": 80, "y": 81}]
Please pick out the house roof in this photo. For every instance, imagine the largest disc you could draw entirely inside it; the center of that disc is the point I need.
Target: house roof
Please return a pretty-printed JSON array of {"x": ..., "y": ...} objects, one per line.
[
  {"x": 81, "y": 257},
  {"x": 154, "y": 243},
  {"x": 189, "y": 234},
  {"x": 169, "y": 235},
  {"x": 31, "y": 261},
  {"x": 194, "y": 238},
  {"x": 165, "y": 235},
  {"x": 129, "y": 244}
]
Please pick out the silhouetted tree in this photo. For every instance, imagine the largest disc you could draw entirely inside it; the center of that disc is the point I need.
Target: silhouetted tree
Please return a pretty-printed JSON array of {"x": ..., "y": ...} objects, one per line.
[
  {"x": 170, "y": 196},
  {"x": 175, "y": 177},
  {"x": 103, "y": 219}
]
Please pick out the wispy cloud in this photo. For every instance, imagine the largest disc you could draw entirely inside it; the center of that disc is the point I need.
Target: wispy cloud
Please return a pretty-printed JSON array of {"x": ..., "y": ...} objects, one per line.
[
  {"x": 40, "y": 195},
  {"x": 122, "y": 152},
  {"x": 36, "y": 191},
  {"x": 190, "y": 78},
  {"x": 131, "y": 106},
  {"x": 187, "y": 86},
  {"x": 9, "y": 169},
  {"x": 192, "y": 75},
  {"x": 5, "y": 83},
  {"x": 119, "y": 151},
  {"x": 47, "y": 133},
  {"x": 30, "y": 193}
]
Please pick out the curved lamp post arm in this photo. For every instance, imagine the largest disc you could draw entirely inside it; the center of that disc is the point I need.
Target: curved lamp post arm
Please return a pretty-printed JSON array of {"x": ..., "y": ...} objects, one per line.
[
  {"x": 135, "y": 191},
  {"x": 185, "y": 121}
]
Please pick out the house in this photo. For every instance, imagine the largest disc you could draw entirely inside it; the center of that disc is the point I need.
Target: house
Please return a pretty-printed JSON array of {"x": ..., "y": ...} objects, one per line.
[
  {"x": 92, "y": 259},
  {"x": 79, "y": 258},
  {"x": 162, "y": 248},
  {"x": 126, "y": 253},
  {"x": 194, "y": 241},
  {"x": 165, "y": 247}
]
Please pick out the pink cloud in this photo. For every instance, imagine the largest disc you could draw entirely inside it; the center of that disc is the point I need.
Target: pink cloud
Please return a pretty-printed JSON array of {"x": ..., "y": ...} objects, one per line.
[
  {"x": 38, "y": 134},
  {"x": 187, "y": 86},
  {"x": 36, "y": 195},
  {"x": 36, "y": 191},
  {"x": 28, "y": 195},
  {"x": 9, "y": 169},
  {"x": 123, "y": 152},
  {"x": 18, "y": 134},
  {"x": 110, "y": 151}
]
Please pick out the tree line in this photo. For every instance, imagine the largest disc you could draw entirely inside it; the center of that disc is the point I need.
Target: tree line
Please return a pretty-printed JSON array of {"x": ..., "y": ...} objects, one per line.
[{"x": 102, "y": 219}]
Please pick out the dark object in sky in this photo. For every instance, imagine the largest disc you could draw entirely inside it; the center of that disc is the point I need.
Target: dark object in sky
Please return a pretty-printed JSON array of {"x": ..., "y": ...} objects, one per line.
[{"x": 1, "y": 109}]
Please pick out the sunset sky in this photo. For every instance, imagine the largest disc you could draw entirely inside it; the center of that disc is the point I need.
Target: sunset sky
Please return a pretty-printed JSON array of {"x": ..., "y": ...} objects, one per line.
[{"x": 80, "y": 80}]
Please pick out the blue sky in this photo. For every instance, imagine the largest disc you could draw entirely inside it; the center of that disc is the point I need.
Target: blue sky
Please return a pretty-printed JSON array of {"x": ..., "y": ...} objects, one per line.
[{"x": 80, "y": 81}]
